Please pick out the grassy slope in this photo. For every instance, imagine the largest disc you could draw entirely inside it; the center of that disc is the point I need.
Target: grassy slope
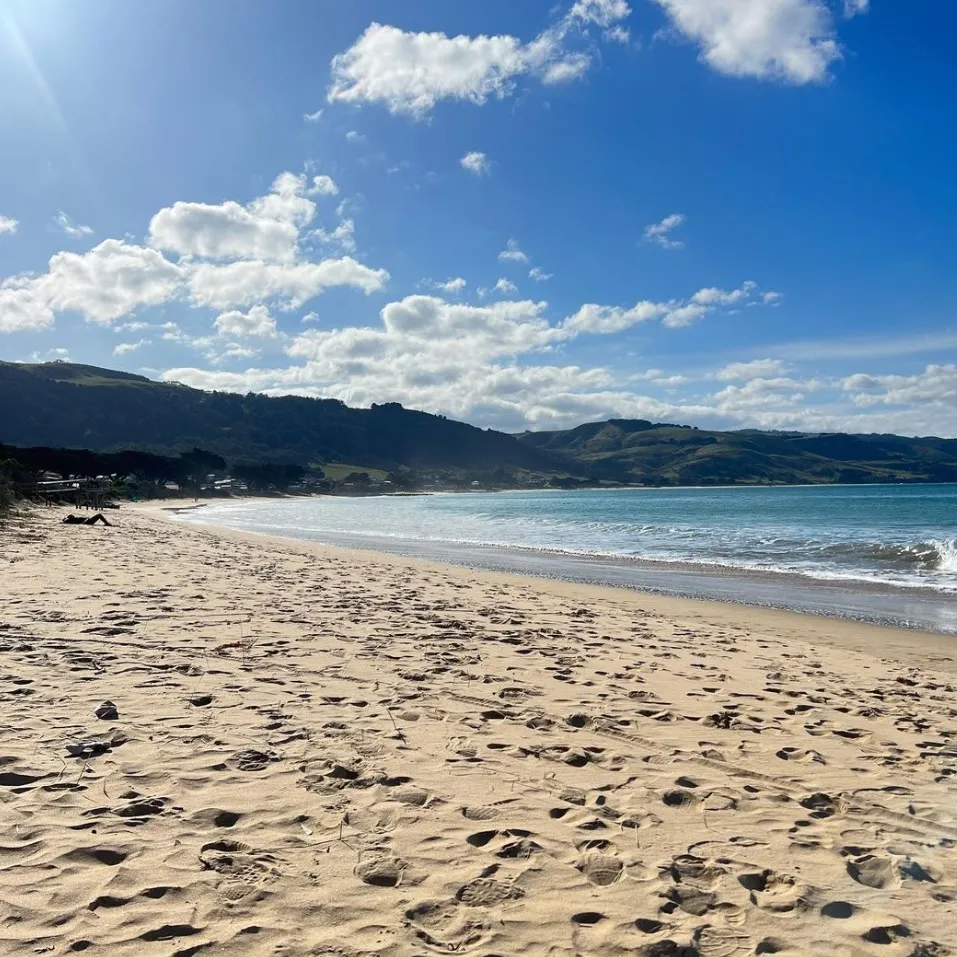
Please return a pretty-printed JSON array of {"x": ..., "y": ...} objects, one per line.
[
  {"x": 80, "y": 406},
  {"x": 638, "y": 451},
  {"x": 65, "y": 405}
]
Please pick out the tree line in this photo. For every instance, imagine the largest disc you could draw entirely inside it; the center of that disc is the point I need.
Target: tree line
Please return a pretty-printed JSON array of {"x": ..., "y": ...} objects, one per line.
[{"x": 21, "y": 469}]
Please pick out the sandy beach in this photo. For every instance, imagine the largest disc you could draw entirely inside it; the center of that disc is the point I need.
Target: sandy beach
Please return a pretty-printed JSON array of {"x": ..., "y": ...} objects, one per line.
[{"x": 323, "y": 752}]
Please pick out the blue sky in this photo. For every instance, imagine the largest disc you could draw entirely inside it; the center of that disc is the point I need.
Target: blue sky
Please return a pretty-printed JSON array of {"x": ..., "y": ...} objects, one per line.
[{"x": 721, "y": 212}]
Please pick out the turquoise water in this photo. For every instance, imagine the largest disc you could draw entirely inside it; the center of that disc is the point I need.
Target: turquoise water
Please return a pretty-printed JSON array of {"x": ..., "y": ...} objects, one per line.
[
  {"x": 880, "y": 549},
  {"x": 896, "y": 535}
]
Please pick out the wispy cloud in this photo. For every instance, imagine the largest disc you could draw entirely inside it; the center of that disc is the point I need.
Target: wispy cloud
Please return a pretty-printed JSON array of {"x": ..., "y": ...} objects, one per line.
[
  {"x": 454, "y": 286},
  {"x": 867, "y": 347},
  {"x": 76, "y": 230},
  {"x": 513, "y": 253},
  {"x": 506, "y": 287},
  {"x": 660, "y": 233},
  {"x": 125, "y": 348}
]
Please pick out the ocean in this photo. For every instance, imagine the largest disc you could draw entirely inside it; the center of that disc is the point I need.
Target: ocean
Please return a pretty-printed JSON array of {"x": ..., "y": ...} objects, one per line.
[{"x": 876, "y": 553}]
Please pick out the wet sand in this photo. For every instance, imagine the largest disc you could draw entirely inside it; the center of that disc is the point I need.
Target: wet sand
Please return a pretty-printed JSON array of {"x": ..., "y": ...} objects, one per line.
[{"x": 856, "y": 599}]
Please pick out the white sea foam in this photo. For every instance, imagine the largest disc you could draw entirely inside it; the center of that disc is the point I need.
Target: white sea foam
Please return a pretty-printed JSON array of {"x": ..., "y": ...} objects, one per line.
[{"x": 898, "y": 536}]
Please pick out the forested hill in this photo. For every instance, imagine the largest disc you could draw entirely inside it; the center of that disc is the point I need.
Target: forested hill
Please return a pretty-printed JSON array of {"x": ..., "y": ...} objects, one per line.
[
  {"x": 637, "y": 451},
  {"x": 82, "y": 407},
  {"x": 74, "y": 406}
]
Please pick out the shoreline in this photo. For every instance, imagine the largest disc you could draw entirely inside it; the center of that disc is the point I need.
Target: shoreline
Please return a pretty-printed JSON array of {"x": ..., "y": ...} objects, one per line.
[
  {"x": 854, "y": 600},
  {"x": 931, "y": 648}
]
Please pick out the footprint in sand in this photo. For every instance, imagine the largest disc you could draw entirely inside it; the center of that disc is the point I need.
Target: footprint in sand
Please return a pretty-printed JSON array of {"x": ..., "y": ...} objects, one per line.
[
  {"x": 838, "y": 910},
  {"x": 679, "y": 799},
  {"x": 710, "y": 941},
  {"x": 217, "y": 817},
  {"x": 108, "y": 856},
  {"x": 800, "y": 754},
  {"x": 381, "y": 871},
  {"x": 415, "y": 797},
  {"x": 238, "y": 863},
  {"x": 487, "y": 892},
  {"x": 873, "y": 871},
  {"x": 776, "y": 893},
  {"x": 696, "y": 872},
  {"x": 138, "y": 807},
  {"x": 601, "y": 869},
  {"x": 820, "y": 805},
  {"x": 446, "y": 926},
  {"x": 871, "y": 927},
  {"x": 252, "y": 760},
  {"x": 517, "y": 845},
  {"x": 688, "y": 899}
]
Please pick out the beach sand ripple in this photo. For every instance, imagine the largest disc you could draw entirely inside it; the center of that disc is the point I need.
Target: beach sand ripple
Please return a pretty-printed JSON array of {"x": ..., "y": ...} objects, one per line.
[{"x": 317, "y": 752}]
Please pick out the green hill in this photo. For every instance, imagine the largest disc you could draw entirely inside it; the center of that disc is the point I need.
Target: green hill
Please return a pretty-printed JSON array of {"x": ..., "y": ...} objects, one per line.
[
  {"x": 636, "y": 451},
  {"x": 60, "y": 404},
  {"x": 83, "y": 407}
]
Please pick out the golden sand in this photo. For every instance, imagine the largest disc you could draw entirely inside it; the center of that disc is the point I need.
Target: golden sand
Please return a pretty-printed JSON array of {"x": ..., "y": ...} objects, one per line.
[{"x": 323, "y": 752}]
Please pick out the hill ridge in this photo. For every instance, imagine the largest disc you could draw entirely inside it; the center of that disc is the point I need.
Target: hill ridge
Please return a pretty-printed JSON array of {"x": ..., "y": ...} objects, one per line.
[{"x": 72, "y": 405}]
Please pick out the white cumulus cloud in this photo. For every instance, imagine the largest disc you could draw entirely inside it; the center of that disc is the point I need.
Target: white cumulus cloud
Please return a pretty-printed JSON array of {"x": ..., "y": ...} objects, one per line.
[
  {"x": 267, "y": 228},
  {"x": 792, "y": 41},
  {"x": 476, "y": 163},
  {"x": 323, "y": 186},
  {"x": 256, "y": 322},
  {"x": 936, "y": 385},
  {"x": 102, "y": 285},
  {"x": 603, "y": 13},
  {"x": 259, "y": 241},
  {"x": 513, "y": 253},
  {"x": 109, "y": 281},
  {"x": 674, "y": 313},
  {"x": 454, "y": 286},
  {"x": 23, "y": 306},
  {"x": 506, "y": 287},
  {"x": 410, "y": 72},
  {"x": 248, "y": 282}
]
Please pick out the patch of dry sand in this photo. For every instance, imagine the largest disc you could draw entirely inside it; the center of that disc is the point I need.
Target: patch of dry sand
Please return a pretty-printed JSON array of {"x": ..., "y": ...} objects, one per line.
[{"x": 330, "y": 753}]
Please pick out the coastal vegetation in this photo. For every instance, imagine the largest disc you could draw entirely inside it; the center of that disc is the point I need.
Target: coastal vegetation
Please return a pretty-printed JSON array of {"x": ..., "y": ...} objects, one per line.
[{"x": 76, "y": 419}]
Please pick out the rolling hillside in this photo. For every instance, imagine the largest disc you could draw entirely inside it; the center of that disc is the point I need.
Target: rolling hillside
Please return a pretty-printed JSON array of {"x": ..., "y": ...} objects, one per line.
[
  {"x": 76, "y": 406},
  {"x": 636, "y": 451}
]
